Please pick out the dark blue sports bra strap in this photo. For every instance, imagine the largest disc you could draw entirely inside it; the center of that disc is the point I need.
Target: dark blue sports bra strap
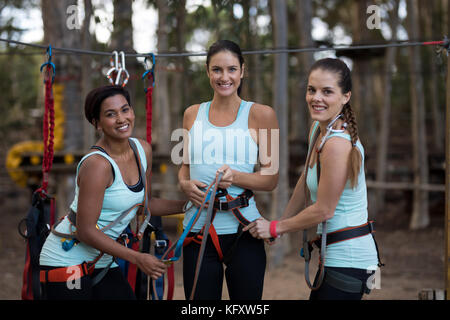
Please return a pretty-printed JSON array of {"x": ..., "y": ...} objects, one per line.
[{"x": 100, "y": 149}]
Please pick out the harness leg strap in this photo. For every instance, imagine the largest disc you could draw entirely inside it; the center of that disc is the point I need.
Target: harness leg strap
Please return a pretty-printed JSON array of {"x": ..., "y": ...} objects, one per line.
[{"x": 345, "y": 282}]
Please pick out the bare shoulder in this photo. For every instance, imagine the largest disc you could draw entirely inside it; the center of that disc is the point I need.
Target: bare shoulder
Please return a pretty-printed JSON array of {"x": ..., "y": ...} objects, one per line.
[
  {"x": 146, "y": 146},
  {"x": 96, "y": 168},
  {"x": 189, "y": 116},
  {"x": 262, "y": 116},
  {"x": 262, "y": 110},
  {"x": 336, "y": 148}
]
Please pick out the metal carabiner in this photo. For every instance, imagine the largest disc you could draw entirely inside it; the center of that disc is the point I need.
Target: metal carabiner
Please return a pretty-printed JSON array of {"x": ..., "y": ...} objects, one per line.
[
  {"x": 114, "y": 67},
  {"x": 49, "y": 63},
  {"x": 331, "y": 130},
  {"x": 149, "y": 70},
  {"x": 122, "y": 69}
]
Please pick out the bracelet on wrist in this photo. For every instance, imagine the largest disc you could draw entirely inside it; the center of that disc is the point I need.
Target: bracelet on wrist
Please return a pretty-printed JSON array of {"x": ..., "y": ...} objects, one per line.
[{"x": 273, "y": 229}]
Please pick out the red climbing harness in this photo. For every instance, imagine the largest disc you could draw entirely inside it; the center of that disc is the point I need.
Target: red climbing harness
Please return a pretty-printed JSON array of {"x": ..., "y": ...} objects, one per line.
[{"x": 233, "y": 205}]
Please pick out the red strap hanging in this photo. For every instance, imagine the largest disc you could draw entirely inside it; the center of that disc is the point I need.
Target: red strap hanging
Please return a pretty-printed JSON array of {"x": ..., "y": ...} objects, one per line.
[
  {"x": 49, "y": 120},
  {"x": 150, "y": 74},
  {"x": 149, "y": 108}
]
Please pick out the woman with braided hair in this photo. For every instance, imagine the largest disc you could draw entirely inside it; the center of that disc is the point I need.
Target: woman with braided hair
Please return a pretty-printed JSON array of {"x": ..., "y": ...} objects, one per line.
[{"x": 334, "y": 177}]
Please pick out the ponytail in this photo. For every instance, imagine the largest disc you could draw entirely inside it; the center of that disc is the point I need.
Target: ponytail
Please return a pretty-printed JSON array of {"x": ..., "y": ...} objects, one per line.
[{"x": 354, "y": 165}]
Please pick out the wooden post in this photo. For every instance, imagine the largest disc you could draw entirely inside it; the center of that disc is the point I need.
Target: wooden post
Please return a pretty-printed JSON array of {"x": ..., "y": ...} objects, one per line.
[{"x": 447, "y": 185}]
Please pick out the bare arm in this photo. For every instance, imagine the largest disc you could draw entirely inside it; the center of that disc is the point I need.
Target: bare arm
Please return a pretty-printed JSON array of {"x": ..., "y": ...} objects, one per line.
[
  {"x": 333, "y": 177},
  {"x": 297, "y": 201},
  {"x": 263, "y": 126},
  {"x": 190, "y": 187},
  {"x": 94, "y": 177}
]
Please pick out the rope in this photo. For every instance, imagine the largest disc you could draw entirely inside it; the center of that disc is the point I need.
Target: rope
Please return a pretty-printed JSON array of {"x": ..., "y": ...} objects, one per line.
[
  {"x": 49, "y": 121},
  {"x": 150, "y": 75},
  {"x": 149, "y": 108},
  {"x": 444, "y": 43}
]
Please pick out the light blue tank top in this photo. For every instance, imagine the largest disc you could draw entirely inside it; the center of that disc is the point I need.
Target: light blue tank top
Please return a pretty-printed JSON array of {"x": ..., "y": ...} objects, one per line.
[
  {"x": 210, "y": 147},
  {"x": 118, "y": 198},
  {"x": 351, "y": 210}
]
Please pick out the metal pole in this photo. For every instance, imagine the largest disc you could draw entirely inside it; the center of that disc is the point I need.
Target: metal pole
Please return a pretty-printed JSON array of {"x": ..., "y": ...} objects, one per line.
[{"x": 447, "y": 185}]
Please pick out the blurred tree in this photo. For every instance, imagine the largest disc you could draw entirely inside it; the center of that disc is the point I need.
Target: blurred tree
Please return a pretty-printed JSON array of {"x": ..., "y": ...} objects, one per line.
[
  {"x": 122, "y": 40},
  {"x": 280, "y": 104},
  {"x": 300, "y": 117},
  {"x": 420, "y": 215},
  {"x": 57, "y": 34},
  {"x": 385, "y": 114}
]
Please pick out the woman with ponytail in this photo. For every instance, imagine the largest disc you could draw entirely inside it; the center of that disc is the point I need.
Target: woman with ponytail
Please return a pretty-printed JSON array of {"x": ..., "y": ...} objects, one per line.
[
  {"x": 226, "y": 134},
  {"x": 335, "y": 180}
]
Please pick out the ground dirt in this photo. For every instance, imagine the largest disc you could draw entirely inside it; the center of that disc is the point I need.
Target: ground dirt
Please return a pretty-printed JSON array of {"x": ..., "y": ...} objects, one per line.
[{"x": 414, "y": 259}]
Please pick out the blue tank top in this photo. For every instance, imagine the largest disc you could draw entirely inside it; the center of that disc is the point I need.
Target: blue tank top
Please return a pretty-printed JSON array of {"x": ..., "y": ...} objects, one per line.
[
  {"x": 210, "y": 147},
  {"x": 351, "y": 210},
  {"x": 118, "y": 198}
]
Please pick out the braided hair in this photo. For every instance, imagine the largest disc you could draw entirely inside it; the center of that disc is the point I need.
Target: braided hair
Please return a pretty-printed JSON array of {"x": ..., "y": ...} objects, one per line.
[{"x": 345, "y": 83}]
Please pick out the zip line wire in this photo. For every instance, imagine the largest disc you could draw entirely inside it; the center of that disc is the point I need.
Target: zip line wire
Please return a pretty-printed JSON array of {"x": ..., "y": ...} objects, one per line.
[{"x": 445, "y": 43}]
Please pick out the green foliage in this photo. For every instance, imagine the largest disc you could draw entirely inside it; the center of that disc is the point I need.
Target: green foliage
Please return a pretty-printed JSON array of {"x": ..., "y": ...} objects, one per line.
[{"x": 19, "y": 84}]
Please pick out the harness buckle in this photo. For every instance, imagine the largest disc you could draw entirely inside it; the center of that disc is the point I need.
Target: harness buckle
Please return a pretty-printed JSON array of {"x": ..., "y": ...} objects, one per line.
[
  {"x": 161, "y": 243},
  {"x": 371, "y": 226},
  {"x": 223, "y": 205},
  {"x": 244, "y": 201},
  {"x": 221, "y": 193}
]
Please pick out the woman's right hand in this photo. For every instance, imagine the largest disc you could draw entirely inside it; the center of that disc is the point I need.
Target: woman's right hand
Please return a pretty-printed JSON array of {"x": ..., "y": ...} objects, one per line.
[
  {"x": 151, "y": 265},
  {"x": 192, "y": 189}
]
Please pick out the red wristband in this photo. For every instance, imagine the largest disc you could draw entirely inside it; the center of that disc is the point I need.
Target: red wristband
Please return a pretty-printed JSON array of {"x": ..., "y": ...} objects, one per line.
[{"x": 273, "y": 228}]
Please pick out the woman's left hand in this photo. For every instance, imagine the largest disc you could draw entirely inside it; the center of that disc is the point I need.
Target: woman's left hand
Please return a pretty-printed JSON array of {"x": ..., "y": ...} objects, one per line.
[
  {"x": 227, "y": 178},
  {"x": 260, "y": 228}
]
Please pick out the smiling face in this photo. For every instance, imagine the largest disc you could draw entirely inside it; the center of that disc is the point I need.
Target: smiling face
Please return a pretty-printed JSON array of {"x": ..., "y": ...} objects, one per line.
[
  {"x": 116, "y": 117},
  {"x": 225, "y": 73},
  {"x": 324, "y": 96}
]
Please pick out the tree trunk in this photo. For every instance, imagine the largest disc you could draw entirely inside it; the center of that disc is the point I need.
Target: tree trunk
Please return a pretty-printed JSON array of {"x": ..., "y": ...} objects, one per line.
[
  {"x": 280, "y": 103},
  {"x": 86, "y": 70},
  {"x": 362, "y": 93},
  {"x": 385, "y": 117},
  {"x": 255, "y": 73},
  {"x": 300, "y": 119},
  {"x": 162, "y": 103},
  {"x": 122, "y": 40},
  {"x": 431, "y": 28},
  {"x": 57, "y": 33},
  {"x": 420, "y": 217},
  {"x": 179, "y": 76}
]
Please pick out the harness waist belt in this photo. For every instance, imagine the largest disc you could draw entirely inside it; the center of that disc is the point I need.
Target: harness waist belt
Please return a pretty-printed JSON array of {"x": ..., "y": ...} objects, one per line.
[
  {"x": 65, "y": 273},
  {"x": 240, "y": 201},
  {"x": 347, "y": 233}
]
